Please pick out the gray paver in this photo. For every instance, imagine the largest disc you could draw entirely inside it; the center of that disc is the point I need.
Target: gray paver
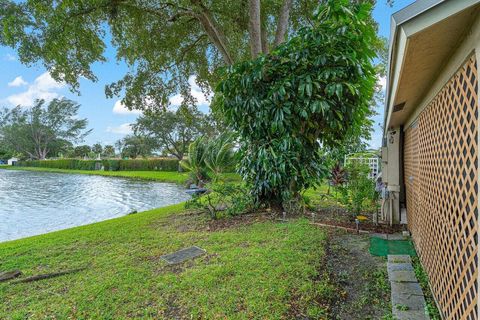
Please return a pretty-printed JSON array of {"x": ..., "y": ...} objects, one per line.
[
  {"x": 400, "y": 258},
  {"x": 402, "y": 276},
  {"x": 400, "y": 267},
  {"x": 410, "y": 315},
  {"x": 401, "y": 272},
  {"x": 408, "y": 302},
  {"x": 183, "y": 255},
  {"x": 408, "y": 294}
]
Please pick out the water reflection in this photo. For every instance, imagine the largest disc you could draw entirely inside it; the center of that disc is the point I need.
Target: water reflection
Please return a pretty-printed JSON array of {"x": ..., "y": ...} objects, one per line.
[{"x": 33, "y": 203}]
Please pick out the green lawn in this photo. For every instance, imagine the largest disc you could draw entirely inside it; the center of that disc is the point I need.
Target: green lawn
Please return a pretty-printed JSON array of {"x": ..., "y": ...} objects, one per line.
[
  {"x": 163, "y": 176},
  {"x": 258, "y": 270}
]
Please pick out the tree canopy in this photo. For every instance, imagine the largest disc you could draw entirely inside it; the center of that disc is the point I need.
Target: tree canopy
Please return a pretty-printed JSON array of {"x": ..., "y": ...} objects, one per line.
[
  {"x": 313, "y": 91},
  {"x": 173, "y": 131},
  {"x": 97, "y": 148},
  {"x": 39, "y": 131},
  {"x": 134, "y": 146},
  {"x": 109, "y": 151},
  {"x": 82, "y": 151},
  {"x": 162, "y": 41}
]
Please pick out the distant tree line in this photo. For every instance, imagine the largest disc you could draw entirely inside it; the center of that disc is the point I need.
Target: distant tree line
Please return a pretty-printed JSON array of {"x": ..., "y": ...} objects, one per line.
[
  {"x": 54, "y": 130},
  {"x": 42, "y": 130}
]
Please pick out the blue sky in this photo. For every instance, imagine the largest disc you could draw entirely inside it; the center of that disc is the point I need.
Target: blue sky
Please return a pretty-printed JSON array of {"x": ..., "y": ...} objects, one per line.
[{"x": 20, "y": 84}]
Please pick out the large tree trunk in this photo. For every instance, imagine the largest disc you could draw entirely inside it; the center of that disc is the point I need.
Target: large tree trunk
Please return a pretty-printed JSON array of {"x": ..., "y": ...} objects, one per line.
[
  {"x": 255, "y": 27},
  {"x": 265, "y": 48},
  {"x": 282, "y": 24},
  {"x": 180, "y": 158}
]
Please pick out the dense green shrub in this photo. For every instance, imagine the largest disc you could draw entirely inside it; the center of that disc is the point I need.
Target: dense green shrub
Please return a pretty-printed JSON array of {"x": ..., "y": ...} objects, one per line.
[
  {"x": 313, "y": 91},
  {"x": 72, "y": 164},
  {"x": 224, "y": 199},
  {"x": 162, "y": 164},
  {"x": 111, "y": 165},
  {"x": 358, "y": 194}
]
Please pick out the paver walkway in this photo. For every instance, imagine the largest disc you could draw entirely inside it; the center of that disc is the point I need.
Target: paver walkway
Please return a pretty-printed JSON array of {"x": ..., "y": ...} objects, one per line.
[{"x": 408, "y": 302}]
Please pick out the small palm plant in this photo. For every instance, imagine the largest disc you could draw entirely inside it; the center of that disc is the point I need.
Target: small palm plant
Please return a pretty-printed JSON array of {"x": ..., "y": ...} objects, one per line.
[
  {"x": 195, "y": 163},
  {"x": 220, "y": 155},
  {"x": 209, "y": 158}
]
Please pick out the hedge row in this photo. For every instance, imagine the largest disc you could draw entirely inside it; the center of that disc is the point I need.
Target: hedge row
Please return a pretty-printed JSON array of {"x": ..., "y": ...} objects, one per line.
[{"x": 107, "y": 165}]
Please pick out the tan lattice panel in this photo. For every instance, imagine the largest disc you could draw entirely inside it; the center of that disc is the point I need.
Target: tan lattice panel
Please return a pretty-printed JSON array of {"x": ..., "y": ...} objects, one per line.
[
  {"x": 441, "y": 173},
  {"x": 411, "y": 165}
]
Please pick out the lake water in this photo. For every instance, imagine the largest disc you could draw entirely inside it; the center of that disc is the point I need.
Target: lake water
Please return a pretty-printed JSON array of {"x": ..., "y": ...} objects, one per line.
[{"x": 34, "y": 203}]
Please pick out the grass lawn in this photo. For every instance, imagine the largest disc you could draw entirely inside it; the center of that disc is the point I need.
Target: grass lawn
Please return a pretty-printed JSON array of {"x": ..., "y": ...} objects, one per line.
[
  {"x": 254, "y": 269},
  {"x": 162, "y": 176}
]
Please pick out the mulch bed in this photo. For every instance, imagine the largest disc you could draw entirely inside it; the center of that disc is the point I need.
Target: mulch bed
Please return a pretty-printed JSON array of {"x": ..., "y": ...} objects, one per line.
[
  {"x": 338, "y": 216},
  {"x": 334, "y": 216}
]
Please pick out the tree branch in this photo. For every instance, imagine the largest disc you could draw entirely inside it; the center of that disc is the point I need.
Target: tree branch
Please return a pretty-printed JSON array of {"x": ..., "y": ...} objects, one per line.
[
  {"x": 191, "y": 46},
  {"x": 213, "y": 31},
  {"x": 203, "y": 16}
]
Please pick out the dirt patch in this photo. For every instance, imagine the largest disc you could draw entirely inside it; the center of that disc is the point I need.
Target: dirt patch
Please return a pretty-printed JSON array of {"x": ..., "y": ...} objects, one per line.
[
  {"x": 339, "y": 216},
  {"x": 361, "y": 279},
  {"x": 198, "y": 221},
  {"x": 238, "y": 221}
]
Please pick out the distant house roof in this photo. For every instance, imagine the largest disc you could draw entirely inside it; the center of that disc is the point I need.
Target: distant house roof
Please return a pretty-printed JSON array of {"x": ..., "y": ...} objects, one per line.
[{"x": 423, "y": 36}]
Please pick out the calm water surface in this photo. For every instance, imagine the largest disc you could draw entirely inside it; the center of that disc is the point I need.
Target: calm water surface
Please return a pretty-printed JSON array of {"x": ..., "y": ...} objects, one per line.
[{"x": 33, "y": 203}]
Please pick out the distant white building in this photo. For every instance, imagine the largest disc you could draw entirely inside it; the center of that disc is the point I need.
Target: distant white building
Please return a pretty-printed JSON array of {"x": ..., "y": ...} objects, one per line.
[{"x": 12, "y": 161}]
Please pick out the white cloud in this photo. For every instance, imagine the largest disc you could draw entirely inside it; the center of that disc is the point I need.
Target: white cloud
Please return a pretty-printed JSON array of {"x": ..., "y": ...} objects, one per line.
[
  {"x": 195, "y": 91},
  {"x": 9, "y": 57},
  {"x": 17, "y": 82},
  {"x": 124, "y": 129},
  {"x": 382, "y": 81},
  {"x": 119, "y": 108},
  {"x": 176, "y": 100},
  {"x": 44, "y": 87}
]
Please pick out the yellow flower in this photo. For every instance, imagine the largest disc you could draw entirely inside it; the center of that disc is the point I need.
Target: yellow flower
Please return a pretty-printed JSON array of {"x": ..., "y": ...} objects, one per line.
[{"x": 362, "y": 218}]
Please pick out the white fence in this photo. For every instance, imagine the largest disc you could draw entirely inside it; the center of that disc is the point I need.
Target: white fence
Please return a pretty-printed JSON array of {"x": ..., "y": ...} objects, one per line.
[{"x": 371, "y": 161}]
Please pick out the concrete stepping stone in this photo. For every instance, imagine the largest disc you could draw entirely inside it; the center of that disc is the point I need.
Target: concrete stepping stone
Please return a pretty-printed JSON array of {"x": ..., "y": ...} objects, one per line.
[
  {"x": 400, "y": 267},
  {"x": 399, "y": 258},
  {"x": 183, "y": 255},
  {"x": 410, "y": 315},
  {"x": 408, "y": 294},
  {"x": 408, "y": 302},
  {"x": 401, "y": 272}
]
